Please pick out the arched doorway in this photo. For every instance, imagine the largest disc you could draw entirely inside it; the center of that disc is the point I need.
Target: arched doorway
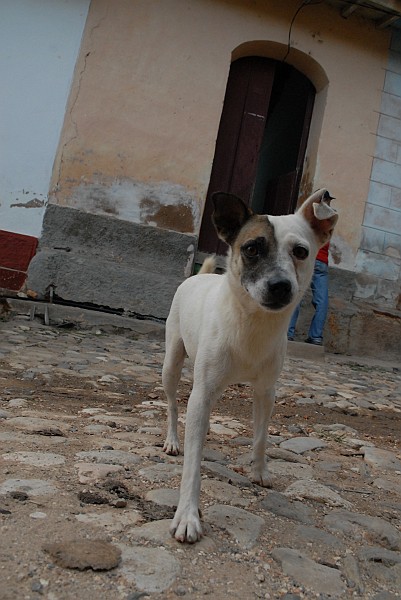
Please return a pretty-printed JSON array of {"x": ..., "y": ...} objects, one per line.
[{"x": 261, "y": 141}]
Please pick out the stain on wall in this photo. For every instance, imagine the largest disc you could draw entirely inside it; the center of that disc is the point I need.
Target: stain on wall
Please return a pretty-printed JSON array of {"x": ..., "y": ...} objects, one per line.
[
  {"x": 164, "y": 205},
  {"x": 179, "y": 217},
  {"x": 34, "y": 203}
]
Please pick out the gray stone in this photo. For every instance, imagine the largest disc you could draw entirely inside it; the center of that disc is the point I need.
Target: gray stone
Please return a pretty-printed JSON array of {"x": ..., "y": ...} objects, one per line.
[
  {"x": 91, "y": 473},
  {"x": 18, "y": 403},
  {"x": 150, "y": 430},
  {"x": 355, "y": 443},
  {"x": 388, "y": 558},
  {"x": 35, "y": 459},
  {"x": 161, "y": 472},
  {"x": 164, "y": 497},
  {"x": 224, "y": 492},
  {"x": 244, "y": 526},
  {"x": 315, "y": 491},
  {"x": 290, "y": 470},
  {"x": 111, "y": 520},
  {"x": 241, "y": 441},
  {"x": 329, "y": 467},
  {"x": 299, "y": 445},
  {"x": 336, "y": 428},
  {"x": 110, "y": 457},
  {"x": 389, "y": 486},
  {"x": 307, "y": 572},
  {"x": 382, "y": 459},
  {"x": 281, "y": 454},
  {"x": 4, "y": 414},
  {"x": 152, "y": 570},
  {"x": 226, "y": 474},
  {"x": 33, "y": 487},
  {"x": 317, "y": 537},
  {"x": 350, "y": 570},
  {"x": 96, "y": 429},
  {"x": 36, "y": 424},
  {"x": 279, "y": 505},
  {"x": 212, "y": 455},
  {"x": 376, "y": 528}
]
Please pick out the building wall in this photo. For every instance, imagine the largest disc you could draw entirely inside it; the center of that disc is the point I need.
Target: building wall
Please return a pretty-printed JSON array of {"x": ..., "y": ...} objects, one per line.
[
  {"x": 39, "y": 44},
  {"x": 140, "y": 129},
  {"x": 379, "y": 256}
]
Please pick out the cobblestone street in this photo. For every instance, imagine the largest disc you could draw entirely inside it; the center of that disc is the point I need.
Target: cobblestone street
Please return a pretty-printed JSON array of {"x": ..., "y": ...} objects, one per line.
[{"x": 82, "y": 424}]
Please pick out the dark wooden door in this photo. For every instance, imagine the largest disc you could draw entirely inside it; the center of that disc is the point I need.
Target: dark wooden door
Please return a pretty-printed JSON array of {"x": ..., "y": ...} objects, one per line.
[
  {"x": 239, "y": 138},
  {"x": 258, "y": 156}
]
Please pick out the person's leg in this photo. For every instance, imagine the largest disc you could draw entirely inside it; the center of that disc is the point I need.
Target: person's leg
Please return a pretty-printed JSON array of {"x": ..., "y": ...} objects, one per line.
[
  {"x": 293, "y": 322},
  {"x": 320, "y": 301}
]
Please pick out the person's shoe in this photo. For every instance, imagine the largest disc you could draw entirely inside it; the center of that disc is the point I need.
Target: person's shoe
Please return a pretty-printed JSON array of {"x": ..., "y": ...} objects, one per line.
[
  {"x": 290, "y": 339},
  {"x": 314, "y": 341}
]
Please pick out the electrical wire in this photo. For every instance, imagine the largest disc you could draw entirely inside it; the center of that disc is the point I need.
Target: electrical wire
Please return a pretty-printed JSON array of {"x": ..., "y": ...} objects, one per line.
[
  {"x": 300, "y": 7},
  {"x": 359, "y": 4}
]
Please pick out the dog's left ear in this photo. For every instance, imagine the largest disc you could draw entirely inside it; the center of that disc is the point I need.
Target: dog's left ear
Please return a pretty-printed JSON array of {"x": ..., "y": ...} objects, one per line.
[
  {"x": 230, "y": 214},
  {"x": 320, "y": 215}
]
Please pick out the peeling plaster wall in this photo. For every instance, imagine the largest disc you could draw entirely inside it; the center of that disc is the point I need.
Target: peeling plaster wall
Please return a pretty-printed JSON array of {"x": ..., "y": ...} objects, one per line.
[
  {"x": 143, "y": 114},
  {"x": 39, "y": 45}
]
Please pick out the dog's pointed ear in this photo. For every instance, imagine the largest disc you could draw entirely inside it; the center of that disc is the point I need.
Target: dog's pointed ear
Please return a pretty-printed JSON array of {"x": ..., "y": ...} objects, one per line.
[
  {"x": 320, "y": 215},
  {"x": 230, "y": 214}
]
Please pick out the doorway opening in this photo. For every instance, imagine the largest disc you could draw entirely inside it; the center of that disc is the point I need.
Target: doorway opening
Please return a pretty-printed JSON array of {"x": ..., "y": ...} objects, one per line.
[{"x": 261, "y": 142}]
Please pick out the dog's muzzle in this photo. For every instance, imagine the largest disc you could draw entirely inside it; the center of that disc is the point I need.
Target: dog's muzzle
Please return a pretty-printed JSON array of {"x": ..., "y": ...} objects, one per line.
[{"x": 279, "y": 293}]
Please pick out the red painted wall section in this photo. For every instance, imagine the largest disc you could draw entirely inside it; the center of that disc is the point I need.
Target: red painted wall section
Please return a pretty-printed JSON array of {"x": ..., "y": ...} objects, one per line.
[{"x": 16, "y": 252}]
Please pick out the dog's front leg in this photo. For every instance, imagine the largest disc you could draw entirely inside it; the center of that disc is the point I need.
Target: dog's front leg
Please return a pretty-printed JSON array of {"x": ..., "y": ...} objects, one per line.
[
  {"x": 263, "y": 403},
  {"x": 186, "y": 526}
]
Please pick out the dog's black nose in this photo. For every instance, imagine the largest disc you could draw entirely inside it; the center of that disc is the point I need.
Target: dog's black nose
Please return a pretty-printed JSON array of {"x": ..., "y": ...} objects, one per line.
[{"x": 280, "y": 290}]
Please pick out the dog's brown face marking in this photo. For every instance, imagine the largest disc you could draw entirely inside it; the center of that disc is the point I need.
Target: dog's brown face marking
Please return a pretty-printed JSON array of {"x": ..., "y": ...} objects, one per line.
[
  {"x": 256, "y": 255},
  {"x": 254, "y": 245}
]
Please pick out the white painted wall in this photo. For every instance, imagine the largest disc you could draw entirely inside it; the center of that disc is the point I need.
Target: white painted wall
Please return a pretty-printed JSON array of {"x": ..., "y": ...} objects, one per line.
[{"x": 39, "y": 45}]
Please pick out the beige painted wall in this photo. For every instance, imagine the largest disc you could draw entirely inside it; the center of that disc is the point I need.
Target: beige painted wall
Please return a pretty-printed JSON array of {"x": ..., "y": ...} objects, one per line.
[{"x": 141, "y": 124}]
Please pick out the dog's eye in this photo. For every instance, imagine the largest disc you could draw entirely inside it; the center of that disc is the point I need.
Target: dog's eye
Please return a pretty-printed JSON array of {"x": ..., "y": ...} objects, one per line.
[
  {"x": 250, "y": 250},
  {"x": 300, "y": 252}
]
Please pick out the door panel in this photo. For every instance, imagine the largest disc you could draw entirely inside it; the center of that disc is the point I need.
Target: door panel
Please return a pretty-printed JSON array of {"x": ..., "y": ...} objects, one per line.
[{"x": 239, "y": 138}]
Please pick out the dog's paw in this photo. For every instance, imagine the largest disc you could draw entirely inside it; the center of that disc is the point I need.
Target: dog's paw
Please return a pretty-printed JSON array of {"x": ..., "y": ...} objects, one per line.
[
  {"x": 262, "y": 478},
  {"x": 171, "y": 446},
  {"x": 186, "y": 527}
]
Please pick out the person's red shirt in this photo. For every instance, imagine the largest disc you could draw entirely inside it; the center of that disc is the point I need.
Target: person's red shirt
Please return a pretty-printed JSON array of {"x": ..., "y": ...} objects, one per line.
[{"x": 323, "y": 254}]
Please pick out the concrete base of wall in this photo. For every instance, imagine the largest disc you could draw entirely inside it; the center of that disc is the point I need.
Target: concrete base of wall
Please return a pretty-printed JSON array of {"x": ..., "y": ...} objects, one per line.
[
  {"x": 354, "y": 327},
  {"x": 102, "y": 261}
]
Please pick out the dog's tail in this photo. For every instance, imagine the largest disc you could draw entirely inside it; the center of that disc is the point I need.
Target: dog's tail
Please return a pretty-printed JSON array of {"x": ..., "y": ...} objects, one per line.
[{"x": 209, "y": 265}]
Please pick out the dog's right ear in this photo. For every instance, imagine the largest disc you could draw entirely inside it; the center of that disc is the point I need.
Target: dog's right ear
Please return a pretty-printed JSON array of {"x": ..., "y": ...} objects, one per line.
[{"x": 230, "y": 214}]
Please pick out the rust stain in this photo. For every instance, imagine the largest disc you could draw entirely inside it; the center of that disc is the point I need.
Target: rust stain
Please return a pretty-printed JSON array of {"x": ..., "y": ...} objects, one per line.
[
  {"x": 333, "y": 324},
  {"x": 335, "y": 254},
  {"x": 169, "y": 216},
  {"x": 305, "y": 187}
]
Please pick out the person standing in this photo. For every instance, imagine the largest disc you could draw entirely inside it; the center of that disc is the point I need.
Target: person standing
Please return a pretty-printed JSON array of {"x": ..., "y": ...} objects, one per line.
[{"x": 320, "y": 299}]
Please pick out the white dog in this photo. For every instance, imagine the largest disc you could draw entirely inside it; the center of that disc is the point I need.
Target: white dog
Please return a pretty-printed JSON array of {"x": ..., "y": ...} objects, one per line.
[{"x": 234, "y": 328}]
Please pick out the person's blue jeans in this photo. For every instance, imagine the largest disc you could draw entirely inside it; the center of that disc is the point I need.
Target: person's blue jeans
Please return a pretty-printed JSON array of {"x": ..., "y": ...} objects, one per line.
[{"x": 320, "y": 300}]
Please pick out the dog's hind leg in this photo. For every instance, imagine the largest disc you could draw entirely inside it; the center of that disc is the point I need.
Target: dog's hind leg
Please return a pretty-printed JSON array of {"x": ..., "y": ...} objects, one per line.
[
  {"x": 172, "y": 367},
  {"x": 263, "y": 404}
]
